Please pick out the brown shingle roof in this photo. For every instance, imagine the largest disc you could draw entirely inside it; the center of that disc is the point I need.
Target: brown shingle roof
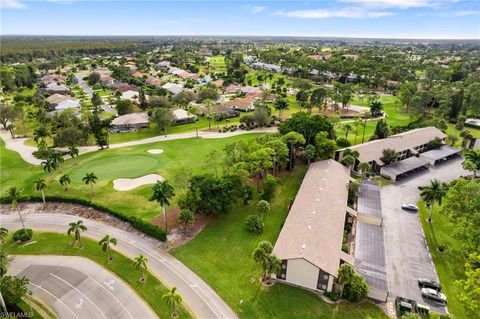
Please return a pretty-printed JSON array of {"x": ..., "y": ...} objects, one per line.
[
  {"x": 372, "y": 151},
  {"x": 314, "y": 227}
]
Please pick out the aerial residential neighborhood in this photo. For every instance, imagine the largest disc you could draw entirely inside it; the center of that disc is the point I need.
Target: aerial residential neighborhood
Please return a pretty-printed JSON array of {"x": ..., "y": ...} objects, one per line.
[{"x": 238, "y": 159}]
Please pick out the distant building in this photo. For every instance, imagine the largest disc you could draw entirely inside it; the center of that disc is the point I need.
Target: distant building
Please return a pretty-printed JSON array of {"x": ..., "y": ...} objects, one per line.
[
  {"x": 173, "y": 87},
  {"x": 53, "y": 88},
  {"x": 68, "y": 104},
  {"x": 130, "y": 121},
  {"x": 244, "y": 104},
  {"x": 181, "y": 116}
]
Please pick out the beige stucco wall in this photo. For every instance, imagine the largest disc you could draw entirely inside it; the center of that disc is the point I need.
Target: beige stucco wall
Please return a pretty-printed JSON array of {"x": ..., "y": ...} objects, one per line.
[{"x": 301, "y": 272}]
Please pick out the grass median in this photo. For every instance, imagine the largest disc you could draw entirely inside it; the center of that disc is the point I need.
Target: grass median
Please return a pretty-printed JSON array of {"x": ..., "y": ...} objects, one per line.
[{"x": 151, "y": 291}]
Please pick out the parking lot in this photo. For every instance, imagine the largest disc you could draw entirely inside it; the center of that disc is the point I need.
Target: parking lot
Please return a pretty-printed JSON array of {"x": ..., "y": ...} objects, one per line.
[
  {"x": 75, "y": 287},
  {"x": 407, "y": 252}
]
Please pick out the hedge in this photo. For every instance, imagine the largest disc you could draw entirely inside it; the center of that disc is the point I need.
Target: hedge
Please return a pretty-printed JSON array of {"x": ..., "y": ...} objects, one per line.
[{"x": 137, "y": 223}]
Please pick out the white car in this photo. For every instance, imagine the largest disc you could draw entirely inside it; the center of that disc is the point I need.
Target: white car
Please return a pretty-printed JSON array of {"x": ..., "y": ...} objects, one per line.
[{"x": 434, "y": 295}]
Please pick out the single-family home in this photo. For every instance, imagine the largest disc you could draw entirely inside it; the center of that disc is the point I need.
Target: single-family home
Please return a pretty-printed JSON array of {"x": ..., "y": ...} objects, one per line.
[
  {"x": 107, "y": 80},
  {"x": 243, "y": 104},
  {"x": 181, "y": 116},
  {"x": 233, "y": 89},
  {"x": 53, "y": 88},
  {"x": 68, "y": 104},
  {"x": 153, "y": 81},
  {"x": 130, "y": 121},
  {"x": 54, "y": 99},
  {"x": 130, "y": 95},
  {"x": 173, "y": 87},
  {"x": 218, "y": 110}
]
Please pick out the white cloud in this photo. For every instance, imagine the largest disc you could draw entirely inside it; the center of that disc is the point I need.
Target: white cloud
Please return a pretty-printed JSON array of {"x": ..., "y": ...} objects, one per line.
[
  {"x": 401, "y": 4},
  {"x": 12, "y": 4},
  {"x": 258, "y": 9},
  {"x": 465, "y": 13},
  {"x": 352, "y": 12}
]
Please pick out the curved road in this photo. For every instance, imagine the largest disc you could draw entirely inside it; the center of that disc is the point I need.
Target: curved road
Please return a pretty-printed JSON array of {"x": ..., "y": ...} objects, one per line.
[
  {"x": 199, "y": 297},
  {"x": 76, "y": 287}
]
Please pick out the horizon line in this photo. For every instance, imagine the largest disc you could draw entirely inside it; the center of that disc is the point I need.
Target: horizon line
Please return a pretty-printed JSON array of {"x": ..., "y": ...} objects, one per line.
[{"x": 246, "y": 35}]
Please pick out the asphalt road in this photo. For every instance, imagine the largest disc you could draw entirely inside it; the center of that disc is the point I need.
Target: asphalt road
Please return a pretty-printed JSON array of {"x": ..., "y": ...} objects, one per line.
[
  {"x": 88, "y": 90},
  {"x": 407, "y": 252},
  {"x": 75, "y": 287},
  {"x": 200, "y": 298}
]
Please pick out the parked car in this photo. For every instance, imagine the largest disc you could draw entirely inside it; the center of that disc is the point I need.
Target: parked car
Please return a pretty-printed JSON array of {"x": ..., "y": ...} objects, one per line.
[
  {"x": 434, "y": 295},
  {"x": 411, "y": 207},
  {"x": 428, "y": 283}
]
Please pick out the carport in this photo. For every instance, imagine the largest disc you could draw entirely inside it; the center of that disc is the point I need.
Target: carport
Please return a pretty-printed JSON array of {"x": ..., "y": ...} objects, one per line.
[
  {"x": 370, "y": 259},
  {"x": 404, "y": 167},
  {"x": 438, "y": 155},
  {"x": 369, "y": 204}
]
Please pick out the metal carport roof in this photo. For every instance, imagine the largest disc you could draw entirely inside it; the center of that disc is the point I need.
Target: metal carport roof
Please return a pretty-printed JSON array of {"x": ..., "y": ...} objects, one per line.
[
  {"x": 440, "y": 153},
  {"x": 404, "y": 166}
]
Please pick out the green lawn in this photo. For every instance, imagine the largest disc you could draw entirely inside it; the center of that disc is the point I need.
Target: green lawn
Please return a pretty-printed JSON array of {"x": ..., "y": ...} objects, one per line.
[
  {"x": 134, "y": 161},
  {"x": 221, "y": 255},
  {"x": 449, "y": 264},
  {"x": 58, "y": 244}
]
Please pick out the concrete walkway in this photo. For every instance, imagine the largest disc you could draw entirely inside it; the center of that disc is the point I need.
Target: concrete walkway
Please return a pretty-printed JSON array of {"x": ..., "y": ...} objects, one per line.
[
  {"x": 199, "y": 297},
  {"x": 26, "y": 152},
  {"x": 76, "y": 287}
]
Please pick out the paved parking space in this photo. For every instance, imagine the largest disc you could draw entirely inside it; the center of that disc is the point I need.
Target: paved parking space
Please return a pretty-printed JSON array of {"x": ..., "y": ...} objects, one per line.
[
  {"x": 408, "y": 257},
  {"x": 75, "y": 287}
]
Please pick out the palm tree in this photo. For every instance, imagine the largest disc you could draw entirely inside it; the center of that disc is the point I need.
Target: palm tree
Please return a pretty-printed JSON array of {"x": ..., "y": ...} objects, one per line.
[
  {"x": 64, "y": 181},
  {"x": 76, "y": 228},
  {"x": 263, "y": 207},
  {"x": 347, "y": 128},
  {"x": 3, "y": 234},
  {"x": 57, "y": 158},
  {"x": 49, "y": 166},
  {"x": 364, "y": 167},
  {"x": 105, "y": 243},
  {"x": 474, "y": 157},
  {"x": 269, "y": 262},
  {"x": 348, "y": 161},
  {"x": 281, "y": 105},
  {"x": 90, "y": 179},
  {"x": 41, "y": 186},
  {"x": 470, "y": 166},
  {"x": 162, "y": 193},
  {"x": 433, "y": 193},
  {"x": 14, "y": 194},
  {"x": 140, "y": 262},
  {"x": 73, "y": 152},
  {"x": 173, "y": 299}
]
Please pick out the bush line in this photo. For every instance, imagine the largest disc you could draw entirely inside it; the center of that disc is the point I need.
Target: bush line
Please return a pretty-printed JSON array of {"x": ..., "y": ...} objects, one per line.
[{"x": 137, "y": 223}]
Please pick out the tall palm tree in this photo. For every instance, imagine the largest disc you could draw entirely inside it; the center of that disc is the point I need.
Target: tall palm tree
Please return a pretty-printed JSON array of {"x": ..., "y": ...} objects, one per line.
[
  {"x": 49, "y": 166},
  {"x": 73, "y": 152},
  {"x": 173, "y": 299},
  {"x": 90, "y": 179},
  {"x": 64, "y": 181},
  {"x": 57, "y": 158},
  {"x": 162, "y": 193},
  {"x": 14, "y": 193},
  {"x": 76, "y": 228},
  {"x": 106, "y": 243},
  {"x": 140, "y": 262},
  {"x": 269, "y": 262},
  {"x": 474, "y": 157},
  {"x": 40, "y": 186},
  {"x": 433, "y": 193}
]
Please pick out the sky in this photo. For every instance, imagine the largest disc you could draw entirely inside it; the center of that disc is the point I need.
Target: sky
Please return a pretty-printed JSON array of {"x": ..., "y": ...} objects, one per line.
[{"x": 420, "y": 19}]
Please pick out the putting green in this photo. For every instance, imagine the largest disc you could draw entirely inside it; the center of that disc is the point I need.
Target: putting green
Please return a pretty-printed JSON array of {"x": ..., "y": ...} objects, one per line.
[{"x": 111, "y": 167}]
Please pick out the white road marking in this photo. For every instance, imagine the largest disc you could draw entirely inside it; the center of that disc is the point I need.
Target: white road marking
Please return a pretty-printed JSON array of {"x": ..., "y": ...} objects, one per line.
[
  {"x": 80, "y": 303},
  {"x": 114, "y": 297},
  {"x": 109, "y": 284},
  {"x": 55, "y": 297},
  {"x": 78, "y": 290}
]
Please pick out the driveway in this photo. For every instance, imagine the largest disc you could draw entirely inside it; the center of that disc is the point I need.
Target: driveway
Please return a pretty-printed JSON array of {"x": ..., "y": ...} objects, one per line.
[
  {"x": 199, "y": 297},
  {"x": 407, "y": 252},
  {"x": 75, "y": 287}
]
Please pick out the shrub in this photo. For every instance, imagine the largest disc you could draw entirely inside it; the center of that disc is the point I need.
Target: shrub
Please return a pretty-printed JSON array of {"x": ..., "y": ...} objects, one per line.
[
  {"x": 135, "y": 222},
  {"x": 334, "y": 296},
  {"x": 269, "y": 188},
  {"x": 254, "y": 224},
  {"x": 20, "y": 235},
  {"x": 343, "y": 142}
]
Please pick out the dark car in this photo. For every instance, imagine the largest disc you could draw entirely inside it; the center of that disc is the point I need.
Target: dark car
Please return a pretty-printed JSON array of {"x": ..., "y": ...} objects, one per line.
[
  {"x": 411, "y": 207},
  {"x": 428, "y": 283},
  {"x": 434, "y": 295}
]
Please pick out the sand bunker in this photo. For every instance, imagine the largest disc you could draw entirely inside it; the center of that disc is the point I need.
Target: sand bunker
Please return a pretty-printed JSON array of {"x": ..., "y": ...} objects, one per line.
[
  {"x": 126, "y": 184},
  {"x": 155, "y": 151}
]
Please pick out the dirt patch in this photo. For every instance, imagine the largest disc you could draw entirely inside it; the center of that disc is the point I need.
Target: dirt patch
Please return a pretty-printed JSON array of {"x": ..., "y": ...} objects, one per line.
[
  {"x": 342, "y": 112},
  {"x": 176, "y": 235}
]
